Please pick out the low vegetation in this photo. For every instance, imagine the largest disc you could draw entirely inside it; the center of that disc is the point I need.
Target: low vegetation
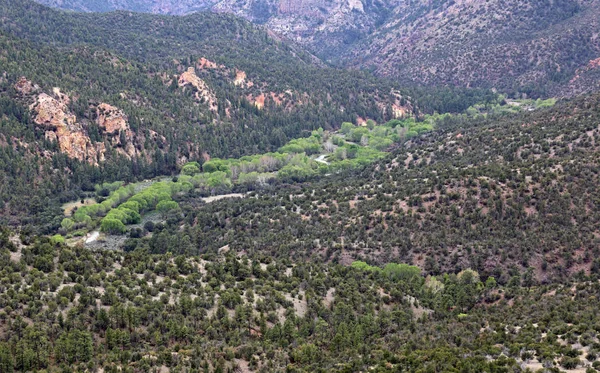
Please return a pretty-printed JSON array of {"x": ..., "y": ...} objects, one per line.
[{"x": 73, "y": 309}]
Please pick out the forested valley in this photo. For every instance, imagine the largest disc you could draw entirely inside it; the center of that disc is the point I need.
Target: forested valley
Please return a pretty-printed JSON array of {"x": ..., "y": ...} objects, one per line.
[{"x": 195, "y": 194}]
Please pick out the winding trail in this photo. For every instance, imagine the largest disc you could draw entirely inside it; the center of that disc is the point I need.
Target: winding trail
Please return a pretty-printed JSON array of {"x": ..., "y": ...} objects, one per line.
[{"x": 223, "y": 196}]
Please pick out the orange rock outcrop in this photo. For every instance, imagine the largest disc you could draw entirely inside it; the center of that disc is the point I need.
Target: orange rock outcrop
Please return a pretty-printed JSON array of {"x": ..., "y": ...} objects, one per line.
[
  {"x": 203, "y": 92},
  {"x": 62, "y": 126},
  {"x": 114, "y": 122}
]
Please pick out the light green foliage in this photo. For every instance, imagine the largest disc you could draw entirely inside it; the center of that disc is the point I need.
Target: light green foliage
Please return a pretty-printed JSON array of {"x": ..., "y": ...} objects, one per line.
[
  {"x": 110, "y": 187},
  {"x": 433, "y": 284},
  {"x": 190, "y": 168},
  {"x": 297, "y": 172},
  {"x": 539, "y": 103},
  {"x": 341, "y": 153},
  {"x": 57, "y": 238},
  {"x": 401, "y": 271},
  {"x": 347, "y": 127},
  {"x": 131, "y": 205},
  {"x": 215, "y": 165},
  {"x": 113, "y": 226},
  {"x": 199, "y": 180},
  {"x": 380, "y": 143},
  {"x": 310, "y": 145},
  {"x": 394, "y": 271},
  {"x": 85, "y": 214},
  {"x": 502, "y": 106},
  {"x": 67, "y": 224},
  {"x": 219, "y": 179},
  {"x": 123, "y": 214},
  {"x": 165, "y": 206},
  {"x": 468, "y": 276},
  {"x": 357, "y": 133},
  {"x": 291, "y": 162},
  {"x": 490, "y": 283},
  {"x": 82, "y": 217},
  {"x": 364, "y": 266},
  {"x": 337, "y": 140},
  {"x": 129, "y": 211},
  {"x": 249, "y": 178},
  {"x": 410, "y": 127}
]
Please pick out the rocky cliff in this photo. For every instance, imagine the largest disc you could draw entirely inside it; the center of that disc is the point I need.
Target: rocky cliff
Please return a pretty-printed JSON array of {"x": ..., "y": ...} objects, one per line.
[
  {"x": 52, "y": 113},
  {"x": 202, "y": 92}
]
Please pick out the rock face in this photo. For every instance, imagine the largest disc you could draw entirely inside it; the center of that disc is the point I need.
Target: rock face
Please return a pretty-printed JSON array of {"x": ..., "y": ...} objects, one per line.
[
  {"x": 114, "y": 122},
  {"x": 241, "y": 79},
  {"x": 400, "y": 108},
  {"x": 70, "y": 133},
  {"x": 203, "y": 64},
  {"x": 111, "y": 119},
  {"x": 25, "y": 87},
  {"x": 203, "y": 92},
  {"x": 62, "y": 126},
  {"x": 259, "y": 101}
]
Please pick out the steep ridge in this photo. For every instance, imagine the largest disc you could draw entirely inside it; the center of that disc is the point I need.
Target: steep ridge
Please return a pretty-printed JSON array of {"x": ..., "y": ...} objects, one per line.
[
  {"x": 531, "y": 46},
  {"x": 147, "y": 6},
  {"x": 534, "y": 47}
]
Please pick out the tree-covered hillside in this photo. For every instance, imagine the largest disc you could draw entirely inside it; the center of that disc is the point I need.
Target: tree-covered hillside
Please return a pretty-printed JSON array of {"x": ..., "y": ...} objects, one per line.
[
  {"x": 72, "y": 309},
  {"x": 504, "y": 194},
  {"x": 194, "y": 195},
  {"x": 537, "y": 47},
  {"x": 143, "y": 94}
]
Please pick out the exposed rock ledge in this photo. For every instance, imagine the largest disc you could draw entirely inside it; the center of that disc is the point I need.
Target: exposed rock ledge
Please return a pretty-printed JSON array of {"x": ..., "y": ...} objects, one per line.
[
  {"x": 61, "y": 126},
  {"x": 114, "y": 122},
  {"x": 203, "y": 92}
]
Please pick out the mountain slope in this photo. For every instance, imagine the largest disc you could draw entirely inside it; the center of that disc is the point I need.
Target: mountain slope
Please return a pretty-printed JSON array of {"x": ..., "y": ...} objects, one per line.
[
  {"x": 126, "y": 96},
  {"x": 533, "y": 46},
  {"x": 146, "y": 6},
  {"x": 112, "y": 311},
  {"x": 509, "y": 45},
  {"x": 71, "y": 105},
  {"x": 502, "y": 195}
]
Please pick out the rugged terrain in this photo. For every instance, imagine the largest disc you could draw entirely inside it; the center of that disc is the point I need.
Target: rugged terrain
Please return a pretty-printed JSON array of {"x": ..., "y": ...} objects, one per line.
[
  {"x": 536, "y": 47},
  {"x": 195, "y": 194},
  {"x": 502, "y": 195},
  {"x": 70, "y": 308},
  {"x": 94, "y": 106}
]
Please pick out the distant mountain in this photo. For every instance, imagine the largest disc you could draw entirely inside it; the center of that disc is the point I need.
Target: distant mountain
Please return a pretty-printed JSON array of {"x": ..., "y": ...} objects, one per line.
[
  {"x": 539, "y": 47},
  {"x": 533, "y": 46},
  {"x": 147, "y": 6}
]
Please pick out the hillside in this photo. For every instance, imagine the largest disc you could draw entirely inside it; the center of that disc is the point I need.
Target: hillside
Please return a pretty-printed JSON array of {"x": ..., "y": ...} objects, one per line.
[
  {"x": 502, "y": 195},
  {"x": 179, "y": 7},
  {"x": 536, "y": 47},
  {"x": 107, "y": 311},
  {"x": 97, "y": 108},
  {"x": 198, "y": 194},
  {"x": 124, "y": 96},
  {"x": 532, "y": 46}
]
